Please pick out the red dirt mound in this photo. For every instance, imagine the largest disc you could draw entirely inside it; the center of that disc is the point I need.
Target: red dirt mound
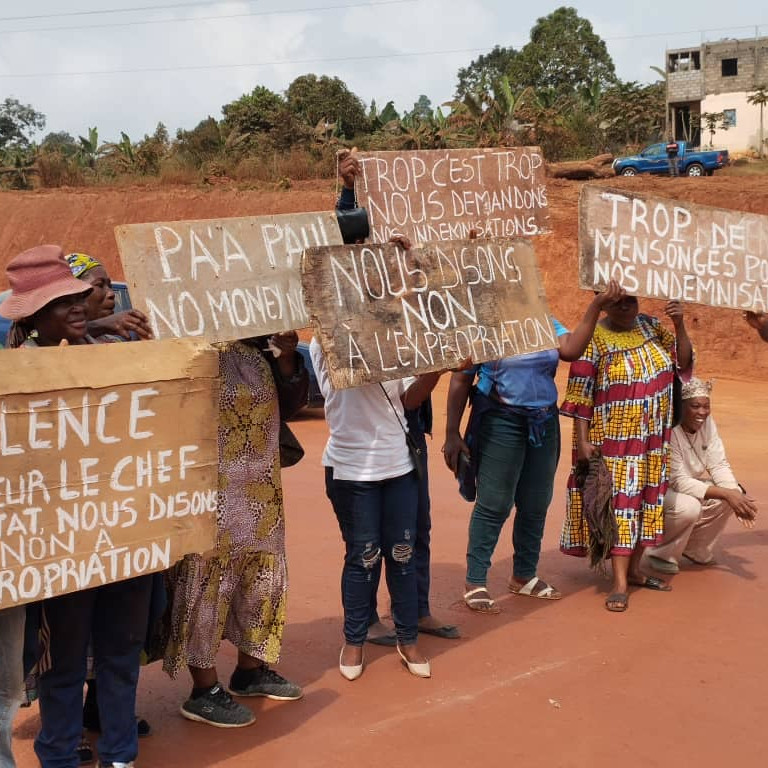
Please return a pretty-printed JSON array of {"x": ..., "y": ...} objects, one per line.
[{"x": 84, "y": 219}]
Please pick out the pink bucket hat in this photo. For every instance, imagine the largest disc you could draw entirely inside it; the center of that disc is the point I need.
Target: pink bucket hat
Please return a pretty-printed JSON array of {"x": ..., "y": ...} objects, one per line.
[{"x": 37, "y": 277}]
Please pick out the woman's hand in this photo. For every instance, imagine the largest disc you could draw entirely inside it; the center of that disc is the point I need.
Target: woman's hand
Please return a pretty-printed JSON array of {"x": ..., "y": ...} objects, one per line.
[
  {"x": 743, "y": 506},
  {"x": 614, "y": 292},
  {"x": 674, "y": 311},
  {"x": 454, "y": 446},
  {"x": 349, "y": 166},
  {"x": 122, "y": 324},
  {"x": 402, "y": 241},
  {"x": 585, "y": 450},
  {"x": 286, "y": 342}
]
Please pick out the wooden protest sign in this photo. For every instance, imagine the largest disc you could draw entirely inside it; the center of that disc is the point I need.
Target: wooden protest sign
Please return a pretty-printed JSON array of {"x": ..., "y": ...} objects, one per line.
[
  {"x": 669, "y": 249},
  {"x": 442, "y": 194},
  {"x": 383, "y": 313},
  {"x": 109, "y": 463},
  {"x": 222, "y": 279}
]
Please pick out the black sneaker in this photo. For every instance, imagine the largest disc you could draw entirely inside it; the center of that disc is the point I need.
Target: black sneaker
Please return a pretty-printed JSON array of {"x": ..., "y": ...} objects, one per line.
[
  {"x": 263, "y": 681},
  {"x": 216, "y": 707}
]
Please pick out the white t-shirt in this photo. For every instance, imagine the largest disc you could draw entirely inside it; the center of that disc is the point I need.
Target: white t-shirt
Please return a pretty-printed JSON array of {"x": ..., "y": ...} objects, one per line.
[{"x": 366, "y": 442}]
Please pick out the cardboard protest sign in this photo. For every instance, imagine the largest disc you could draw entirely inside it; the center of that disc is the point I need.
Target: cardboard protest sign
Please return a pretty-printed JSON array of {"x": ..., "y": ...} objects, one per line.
[
  {"x": 669, "y": 249},
  {"x": 383, "y": 313},
  {"x": 441, "y": 194},
  {"x": 222, "y": 279},
  {"x": 109, "y": 463}
]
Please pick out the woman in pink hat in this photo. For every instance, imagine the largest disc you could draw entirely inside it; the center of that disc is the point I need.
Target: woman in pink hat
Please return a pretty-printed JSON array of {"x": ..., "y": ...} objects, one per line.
[{"x": 47, "y": 307}]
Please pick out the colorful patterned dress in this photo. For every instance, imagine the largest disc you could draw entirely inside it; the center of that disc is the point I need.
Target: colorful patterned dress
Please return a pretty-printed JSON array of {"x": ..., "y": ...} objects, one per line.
[
  {"x": 622, "y": 384},
  {"x": 239, "y": 593}
]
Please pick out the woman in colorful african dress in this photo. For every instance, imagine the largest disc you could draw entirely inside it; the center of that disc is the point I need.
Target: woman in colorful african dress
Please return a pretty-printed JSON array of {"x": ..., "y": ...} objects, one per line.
[
  {"x": 620, "y": 396},
  {"x": 238, "y": 592}
]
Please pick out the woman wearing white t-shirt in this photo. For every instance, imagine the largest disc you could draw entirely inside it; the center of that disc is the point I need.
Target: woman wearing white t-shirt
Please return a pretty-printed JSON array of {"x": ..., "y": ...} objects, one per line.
[{"x": 372, "y": 483}]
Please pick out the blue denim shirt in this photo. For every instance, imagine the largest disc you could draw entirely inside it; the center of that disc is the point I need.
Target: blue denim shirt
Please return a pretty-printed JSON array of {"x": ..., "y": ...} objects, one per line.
[{"x": 526, "y": 381}]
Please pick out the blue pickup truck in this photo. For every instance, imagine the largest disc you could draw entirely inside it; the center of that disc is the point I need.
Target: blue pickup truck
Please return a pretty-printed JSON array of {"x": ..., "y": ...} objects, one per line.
[{"x": 654, "y": 159}]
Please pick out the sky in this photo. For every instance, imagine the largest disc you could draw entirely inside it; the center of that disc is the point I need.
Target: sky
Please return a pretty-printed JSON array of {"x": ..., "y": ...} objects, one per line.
[{"x": 77, "y": 63}]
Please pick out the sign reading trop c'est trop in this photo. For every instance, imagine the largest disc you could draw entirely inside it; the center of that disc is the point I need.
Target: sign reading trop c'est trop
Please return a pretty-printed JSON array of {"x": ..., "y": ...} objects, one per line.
[
  {"x": 443, "y": 194},
  {"x": 383, "y": 313},
  {"x": 105, "y": 476},
  {"x": 222, "y": 279},
  {"x": 670, "y": 249}
]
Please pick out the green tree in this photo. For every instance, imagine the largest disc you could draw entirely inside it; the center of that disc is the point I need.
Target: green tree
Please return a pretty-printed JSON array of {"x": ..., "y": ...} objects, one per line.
[
  {"x": 324, "y": 99},
  {"x": 253, "y": 113},
  {"x": 759, "y": 97},
  {"x": 204, "y": 142},
  {"x": 17, "y": 124},
  {"x": 485, "y": 70},
  {"x": 88, "y": 148},
  {"x": 422, "y": 108},
  {"x": 61, "y": 142},
  {"x": 713, "y": 122},
  {"x": 494, "y": 112},
  {"x": 563, "y": 54}
]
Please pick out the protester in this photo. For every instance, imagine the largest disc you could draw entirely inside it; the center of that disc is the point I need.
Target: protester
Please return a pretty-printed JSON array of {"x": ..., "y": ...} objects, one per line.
[
  {"x": 11, "y": 674},
  {"x": 47, "y": 306},
  {"x": 238, "y": 592},
  {"x": 620, "y": 394},
  {"x": 703, "y": 491},
  {"x": 110, "y": 327},
  {"x": 758, "y": 321},
  {"x": 419, "y": 426},
  {"x": 100, "y": 304},
  {"x": 515, "y": 446},
  {"x": 372, "y": 482}
]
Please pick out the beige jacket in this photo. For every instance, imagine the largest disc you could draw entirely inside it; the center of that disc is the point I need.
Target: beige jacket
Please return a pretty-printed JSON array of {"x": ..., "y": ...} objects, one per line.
[{"x": 699, "y": 461}]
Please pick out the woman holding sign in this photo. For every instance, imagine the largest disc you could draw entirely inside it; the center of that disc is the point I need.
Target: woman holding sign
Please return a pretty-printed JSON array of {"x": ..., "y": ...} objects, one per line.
[
  {"x": 620, "y": 396},
  {"x": 47, "y": 306},
  {"x": 514, "y": 434},
  {"x": 372, "y": 481},
  {"x": 238, "y": 591}
]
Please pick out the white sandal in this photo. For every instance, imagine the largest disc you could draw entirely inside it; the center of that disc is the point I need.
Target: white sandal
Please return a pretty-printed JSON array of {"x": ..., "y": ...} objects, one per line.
[
  {"x": 473, "y": 603},
  {"x": 547, "y": 593}
]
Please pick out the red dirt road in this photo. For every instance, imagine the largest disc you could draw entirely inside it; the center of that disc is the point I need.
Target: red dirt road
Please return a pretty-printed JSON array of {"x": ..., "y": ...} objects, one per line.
[{"x": 679, "y": 679}]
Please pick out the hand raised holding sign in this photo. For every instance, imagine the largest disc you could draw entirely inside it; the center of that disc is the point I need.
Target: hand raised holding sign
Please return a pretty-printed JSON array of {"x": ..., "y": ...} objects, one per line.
[{"x": 349, "y": 166}]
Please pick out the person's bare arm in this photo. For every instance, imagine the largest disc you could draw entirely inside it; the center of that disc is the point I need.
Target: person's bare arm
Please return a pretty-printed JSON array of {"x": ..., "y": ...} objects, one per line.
[
  {"x": 585, "y": 449},
  {"x": 674, "y": 311},
  {"x": 573, "y": 344},
  {"x": 458, "y": 395}
]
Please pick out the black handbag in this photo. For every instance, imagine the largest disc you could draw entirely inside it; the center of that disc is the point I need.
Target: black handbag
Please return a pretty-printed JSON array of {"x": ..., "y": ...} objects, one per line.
[
  {"x": 354, "y": 226},
  {"x": 291, "y": 451}
]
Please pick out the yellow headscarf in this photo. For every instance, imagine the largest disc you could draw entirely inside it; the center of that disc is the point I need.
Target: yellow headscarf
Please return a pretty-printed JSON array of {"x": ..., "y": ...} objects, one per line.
[{"x": 80, "y": 263}]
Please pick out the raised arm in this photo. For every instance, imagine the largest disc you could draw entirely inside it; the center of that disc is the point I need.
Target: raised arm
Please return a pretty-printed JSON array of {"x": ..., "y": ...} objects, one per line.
[
  {"x": 674, "y": 311},
  {"x": 573, "y": 344}
]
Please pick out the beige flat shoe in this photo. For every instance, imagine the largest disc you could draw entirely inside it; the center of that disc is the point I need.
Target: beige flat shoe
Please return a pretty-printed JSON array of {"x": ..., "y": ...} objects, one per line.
[
  {"x": 417, "y": 668},
  {"x": 351, "y": 671}
]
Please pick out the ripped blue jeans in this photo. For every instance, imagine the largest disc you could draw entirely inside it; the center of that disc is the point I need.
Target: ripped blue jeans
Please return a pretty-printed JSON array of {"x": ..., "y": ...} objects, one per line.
[{"x": 377, "y": 520}]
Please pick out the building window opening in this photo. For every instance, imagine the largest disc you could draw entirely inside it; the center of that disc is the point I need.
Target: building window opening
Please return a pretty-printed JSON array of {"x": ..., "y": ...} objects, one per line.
[
  {"x": 730, "y": 67},
  {"x": 685, "y": 61},
  {"x": 729, "y": 118}
]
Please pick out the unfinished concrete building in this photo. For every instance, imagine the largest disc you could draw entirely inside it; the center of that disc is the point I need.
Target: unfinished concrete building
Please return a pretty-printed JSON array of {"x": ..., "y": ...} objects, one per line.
[{"x": 716, "y": 78}]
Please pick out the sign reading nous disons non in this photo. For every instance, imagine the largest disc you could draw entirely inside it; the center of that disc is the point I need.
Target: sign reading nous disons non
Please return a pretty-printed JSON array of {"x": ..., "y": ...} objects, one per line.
[
  {"x": 443, "y": 194},
  {"x": 222, "y": 279},
  {"x": 669, "y": 249},
  {"x": 109, "y": 463},
  {"x": 382, "y": 313}
]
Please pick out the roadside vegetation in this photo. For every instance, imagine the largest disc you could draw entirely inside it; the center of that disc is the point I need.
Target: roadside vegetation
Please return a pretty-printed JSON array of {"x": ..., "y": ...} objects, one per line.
[{"x": 560, "y": 91}]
